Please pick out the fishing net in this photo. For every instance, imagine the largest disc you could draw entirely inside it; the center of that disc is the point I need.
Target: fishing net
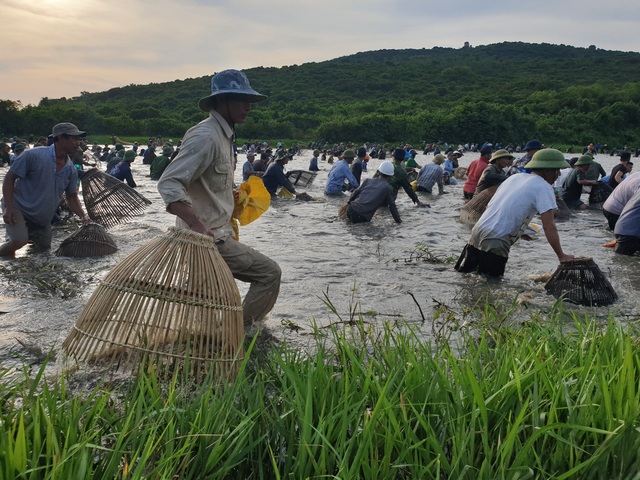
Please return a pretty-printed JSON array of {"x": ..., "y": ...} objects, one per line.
[
  {"x": 91, "y": 240},
  {"x": 581, "y": 281},
  {"x": 172, "y": 304}
]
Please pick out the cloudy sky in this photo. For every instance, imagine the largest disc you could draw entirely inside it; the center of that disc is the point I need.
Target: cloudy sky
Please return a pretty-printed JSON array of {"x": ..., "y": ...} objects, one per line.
[{"x": 56, "y": 48}]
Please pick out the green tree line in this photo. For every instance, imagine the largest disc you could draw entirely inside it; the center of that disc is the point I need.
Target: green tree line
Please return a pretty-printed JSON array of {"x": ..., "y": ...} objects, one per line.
[{"x": 507, "y": 92}]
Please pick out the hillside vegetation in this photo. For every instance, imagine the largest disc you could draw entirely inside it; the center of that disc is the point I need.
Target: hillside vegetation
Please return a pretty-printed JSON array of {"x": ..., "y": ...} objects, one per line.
[{"x": 507, "y": 92}]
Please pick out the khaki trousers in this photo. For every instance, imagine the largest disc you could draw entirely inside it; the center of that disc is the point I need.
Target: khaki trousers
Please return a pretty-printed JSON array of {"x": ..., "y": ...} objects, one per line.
[{"x": 249, "y": 265}]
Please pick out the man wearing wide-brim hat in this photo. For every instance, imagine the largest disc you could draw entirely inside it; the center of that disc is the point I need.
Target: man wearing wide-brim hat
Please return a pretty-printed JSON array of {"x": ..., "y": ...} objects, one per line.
[
  {"x": 197, "y": 187},
  {"x": 575, "y": 181},
  {"x": 494, "y": 173},
  {"x": 33, "y": 188},
  {"x": 508, "y": 214}
]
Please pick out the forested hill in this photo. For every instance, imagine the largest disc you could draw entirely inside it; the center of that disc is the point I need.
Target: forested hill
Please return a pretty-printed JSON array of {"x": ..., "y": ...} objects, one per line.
[{"x": 507, "y": 92}]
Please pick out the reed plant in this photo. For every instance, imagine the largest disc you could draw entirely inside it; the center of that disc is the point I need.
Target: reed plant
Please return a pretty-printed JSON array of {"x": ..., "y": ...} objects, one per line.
[{"x": 555, "y": 397}]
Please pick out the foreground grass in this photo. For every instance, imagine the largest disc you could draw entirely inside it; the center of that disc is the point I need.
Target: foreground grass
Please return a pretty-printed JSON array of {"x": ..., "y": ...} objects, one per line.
[{"x": 530, "y": 402}]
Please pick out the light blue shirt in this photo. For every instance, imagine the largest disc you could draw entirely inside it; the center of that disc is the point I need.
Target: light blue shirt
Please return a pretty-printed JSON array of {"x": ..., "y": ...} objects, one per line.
[
  {"x": 39, "y": 187},
  {"x": 338, "y": 174}
]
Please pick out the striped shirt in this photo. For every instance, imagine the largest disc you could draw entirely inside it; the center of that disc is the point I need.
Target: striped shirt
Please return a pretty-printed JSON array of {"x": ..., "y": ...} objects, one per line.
[{"x": 429, "y": 175}]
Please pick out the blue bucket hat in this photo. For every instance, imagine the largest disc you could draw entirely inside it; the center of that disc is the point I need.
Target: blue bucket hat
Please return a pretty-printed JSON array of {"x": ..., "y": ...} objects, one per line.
[
  {"x": 533, "y": 145},
  {"x": 230, "y": 82}
]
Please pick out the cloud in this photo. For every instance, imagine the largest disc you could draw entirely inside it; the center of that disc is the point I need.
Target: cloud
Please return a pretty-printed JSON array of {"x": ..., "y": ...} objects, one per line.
[{"x": 59, "y": 48}]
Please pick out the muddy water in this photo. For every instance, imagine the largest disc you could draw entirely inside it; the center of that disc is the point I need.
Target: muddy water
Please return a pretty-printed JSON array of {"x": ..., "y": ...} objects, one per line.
[{"x": 385, "y": 270}]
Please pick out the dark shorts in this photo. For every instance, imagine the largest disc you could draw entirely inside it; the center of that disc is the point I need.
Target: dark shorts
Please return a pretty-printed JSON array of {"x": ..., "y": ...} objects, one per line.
[
  {"x": 473, "y": 260},
  {"x": 354, "y": 217},
  {"x": 626, "y": 245},
  {"x": 573, "y": 204},
  {"x": 611, "y": 218},
  {"x": 422, "y": 189}
]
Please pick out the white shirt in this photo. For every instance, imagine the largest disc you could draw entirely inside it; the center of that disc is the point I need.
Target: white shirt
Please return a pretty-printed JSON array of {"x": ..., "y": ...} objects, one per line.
[{"x": 509, "y": 212}]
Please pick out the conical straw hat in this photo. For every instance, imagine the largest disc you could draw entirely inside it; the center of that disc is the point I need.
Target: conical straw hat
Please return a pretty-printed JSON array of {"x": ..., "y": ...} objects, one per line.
[
  {"x": 110, "y": 201},
  {"x": 173, "y": 302}
]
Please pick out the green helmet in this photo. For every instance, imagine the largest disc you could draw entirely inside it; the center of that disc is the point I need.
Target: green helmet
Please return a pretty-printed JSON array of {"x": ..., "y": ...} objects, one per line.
[
  {"x": 549, "y": 158},
  {"x": 584, "y": 160}
]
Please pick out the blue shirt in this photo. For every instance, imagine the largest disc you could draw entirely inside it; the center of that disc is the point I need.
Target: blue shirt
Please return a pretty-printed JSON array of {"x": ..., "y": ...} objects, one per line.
[
  {"x": 628, "y": 224},
  {"x": 338, "y": 174},
  {"x": 247, "y": 170},
  {"x": 39, "y": 187},
  {"x": 122, "y": 171},
  {"x": 313, "y": 164}
]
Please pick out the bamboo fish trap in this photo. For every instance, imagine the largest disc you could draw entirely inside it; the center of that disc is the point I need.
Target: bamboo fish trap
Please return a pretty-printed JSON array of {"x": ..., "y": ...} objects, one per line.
[
  {"x": 91, "y": 240},
  {"x": 173, "y": 303},
  {"x": 581, "y": 281},
  {"x": 474, "y": 208},
  {"x": 301, "y": 178},
  {"x": 563, "y": 211},
  {"x": 108, "y": 200}
]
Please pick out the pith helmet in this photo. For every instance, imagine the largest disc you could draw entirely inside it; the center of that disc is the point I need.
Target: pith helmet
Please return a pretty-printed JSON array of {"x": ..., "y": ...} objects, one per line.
[
  {"x": 549, "y": 158},
  {"x": 230, "y": 82},
  {"x": 584, "y": 160},
  {"x": 386, "y": 168},
  {"x": 501, "y": 154}
]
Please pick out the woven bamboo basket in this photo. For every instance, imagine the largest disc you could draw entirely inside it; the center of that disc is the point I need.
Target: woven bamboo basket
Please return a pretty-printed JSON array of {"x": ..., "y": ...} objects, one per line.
[
  {"x": 598, "y": 195},
  {"x": 581, "y": 281},
  {"x": 474, "y": 208},
  {"x": 110, "y": 201},
  {"x": 563, "y": 211},
  {"x": 172, "y": 305},
  {"x": 302, "y": 178},
  {"x": 91, "y": 240}
]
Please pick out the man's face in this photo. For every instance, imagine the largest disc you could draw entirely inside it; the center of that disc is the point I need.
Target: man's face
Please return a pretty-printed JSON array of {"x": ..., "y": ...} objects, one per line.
[
  {"x": 629, "y": 167},
  {"x": 238, "y": 109},
  {"x": 68, "y": 144}
]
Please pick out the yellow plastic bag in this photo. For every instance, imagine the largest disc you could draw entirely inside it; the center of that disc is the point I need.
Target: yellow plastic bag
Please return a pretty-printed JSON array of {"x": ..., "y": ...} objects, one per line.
[
  {"x": 284, "y": 193},
  {"x": 414, "y": 185},
  {"x": 252, "y": 201}
]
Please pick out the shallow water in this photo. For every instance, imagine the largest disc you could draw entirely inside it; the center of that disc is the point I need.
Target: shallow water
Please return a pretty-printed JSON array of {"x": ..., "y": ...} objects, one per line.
[{"x": 377, "y": 268}]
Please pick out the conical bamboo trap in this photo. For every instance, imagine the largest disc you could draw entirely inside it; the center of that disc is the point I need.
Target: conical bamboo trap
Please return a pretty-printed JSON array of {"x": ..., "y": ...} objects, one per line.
[
  {"x": 172, "y": 303},
  {"x": 474, "y": 208},
  {"x": 563, "y": 211},
  {"x": 581, "y": 281},
  {"x": 91, "y": 240},
  {"x": 301, "y": 178},
  {"x": 110, "y": 201}
]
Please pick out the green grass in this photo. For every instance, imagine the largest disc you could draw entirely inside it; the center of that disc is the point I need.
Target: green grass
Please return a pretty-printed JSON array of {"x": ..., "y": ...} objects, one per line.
[{"x": 555, "y": 397}]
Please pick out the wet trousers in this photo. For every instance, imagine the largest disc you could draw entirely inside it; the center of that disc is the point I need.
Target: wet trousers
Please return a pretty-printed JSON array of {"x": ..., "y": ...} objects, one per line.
[{"x": 262, "y": 273}]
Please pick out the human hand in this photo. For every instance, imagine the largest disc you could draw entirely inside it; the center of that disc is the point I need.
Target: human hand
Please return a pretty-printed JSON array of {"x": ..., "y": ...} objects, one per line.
[
  {"x": 9, "y": 217},
  {"x": 565, "y": 258}
]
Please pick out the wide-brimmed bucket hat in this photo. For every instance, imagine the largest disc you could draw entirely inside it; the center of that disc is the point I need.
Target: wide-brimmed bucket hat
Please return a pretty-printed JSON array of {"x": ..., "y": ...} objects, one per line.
[
  {"x": 230, "y": 82},
  {"x": 549, "y": 158}
]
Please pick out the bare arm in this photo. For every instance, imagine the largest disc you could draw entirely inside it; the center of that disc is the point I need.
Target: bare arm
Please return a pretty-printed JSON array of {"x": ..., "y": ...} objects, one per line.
[
  {"x": 7, "y": 192},
  {"x": 618, "y": 177},
  {"x": 76, "y": 207},
  {"x": 551, "y": 232},
  {"x": 187, "y": 214}
]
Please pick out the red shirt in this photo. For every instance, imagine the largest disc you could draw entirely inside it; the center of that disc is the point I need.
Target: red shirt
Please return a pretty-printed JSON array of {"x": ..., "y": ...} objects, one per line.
[{"x": 473, "y": 174}]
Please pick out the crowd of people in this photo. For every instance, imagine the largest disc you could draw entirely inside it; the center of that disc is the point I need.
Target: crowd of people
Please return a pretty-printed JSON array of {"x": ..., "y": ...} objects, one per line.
[{"x": 196, "y": 182}]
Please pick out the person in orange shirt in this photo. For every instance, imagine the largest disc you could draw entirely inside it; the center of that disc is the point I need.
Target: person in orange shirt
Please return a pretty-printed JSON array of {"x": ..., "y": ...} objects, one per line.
[{"x": 475, "y": 171}]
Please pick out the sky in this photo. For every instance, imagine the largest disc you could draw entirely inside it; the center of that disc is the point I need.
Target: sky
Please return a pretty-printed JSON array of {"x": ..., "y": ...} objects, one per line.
[{"x": 60, "y": 48}]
